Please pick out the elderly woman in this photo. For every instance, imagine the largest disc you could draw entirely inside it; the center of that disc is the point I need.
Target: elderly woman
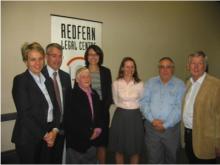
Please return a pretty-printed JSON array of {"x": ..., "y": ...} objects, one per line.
[
  {"x": 82, "y": 120},
  {"x": 37, "y": 115}
]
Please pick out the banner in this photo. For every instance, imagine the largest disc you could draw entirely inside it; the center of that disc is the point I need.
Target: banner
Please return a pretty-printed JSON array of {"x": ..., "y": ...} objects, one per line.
[{"x": 75, "y": 36}]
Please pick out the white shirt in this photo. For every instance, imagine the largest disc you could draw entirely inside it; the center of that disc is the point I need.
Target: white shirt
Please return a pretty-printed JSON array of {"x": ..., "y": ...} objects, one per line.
[
  {"x": 51, "y": 71},
  {"x": 40, "y": 82},
  {"x": 127, "y": 95},
  {"x": 190, "y": 100}
]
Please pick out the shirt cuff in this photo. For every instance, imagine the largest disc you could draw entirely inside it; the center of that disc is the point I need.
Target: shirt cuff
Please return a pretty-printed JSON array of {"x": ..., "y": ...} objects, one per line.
[{"x": 56, "y": 130}]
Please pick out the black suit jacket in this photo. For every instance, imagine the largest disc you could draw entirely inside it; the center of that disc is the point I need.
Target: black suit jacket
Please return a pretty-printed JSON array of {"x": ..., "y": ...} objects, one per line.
[
  {"x": 78, "y": 121},
  {"x": 65, "y": 83},
  {"x": 32, "y": 109}
]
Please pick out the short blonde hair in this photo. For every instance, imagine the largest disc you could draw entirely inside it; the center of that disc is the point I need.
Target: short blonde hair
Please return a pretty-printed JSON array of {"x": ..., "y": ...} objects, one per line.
[
  {"x": 80, "y": 70},
  {"x": 26, "y": 48}
]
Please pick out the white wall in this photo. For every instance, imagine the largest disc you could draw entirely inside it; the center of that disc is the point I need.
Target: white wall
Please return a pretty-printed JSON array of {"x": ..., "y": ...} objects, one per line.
[{"x": 145, "y": 31}]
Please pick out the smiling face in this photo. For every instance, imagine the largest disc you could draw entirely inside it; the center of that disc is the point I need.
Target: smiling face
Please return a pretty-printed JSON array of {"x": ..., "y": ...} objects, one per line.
[
  {"x": 35, "y": 61},
  {"x": 196, "y": 66},
  {"x": 54, "y": 58},
  {"x": 166, "y": 70},
  {"x": 129, "y": 68},
  {"x": 84, "y": 79},
  {"x": 93, "y": 57}
]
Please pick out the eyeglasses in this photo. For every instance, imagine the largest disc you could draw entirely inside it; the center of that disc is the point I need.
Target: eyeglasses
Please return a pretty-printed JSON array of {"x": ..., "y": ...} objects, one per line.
[
  {"x": 55, "y": 56},
  {"x": 166, "y": 66}
]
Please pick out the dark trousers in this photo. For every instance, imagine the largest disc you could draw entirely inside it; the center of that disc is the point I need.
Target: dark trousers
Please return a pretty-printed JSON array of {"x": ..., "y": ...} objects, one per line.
[
  {"x": 57, "y": 150},
  {"x": 189, "y": 150},
  {"x": 37, "y": 153}
]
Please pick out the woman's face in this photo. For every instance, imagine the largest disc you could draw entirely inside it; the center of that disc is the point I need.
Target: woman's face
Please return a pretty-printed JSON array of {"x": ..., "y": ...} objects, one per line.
[
  {"x": 93, "y": 57},
  {"x": 129, "y": 69},
  {"x": 35, "y": 62},
  {"x": 84, "y": 79}
]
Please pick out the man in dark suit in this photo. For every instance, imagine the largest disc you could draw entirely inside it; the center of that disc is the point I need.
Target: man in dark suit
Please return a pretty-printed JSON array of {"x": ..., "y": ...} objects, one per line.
[{"x": 62, "y": 85}]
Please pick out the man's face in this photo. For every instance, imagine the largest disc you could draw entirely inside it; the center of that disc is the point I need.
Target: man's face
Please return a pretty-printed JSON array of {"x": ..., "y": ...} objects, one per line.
[
  {"x": 166, "y": 70},
  {"x": 197, "y": 66},
  {"x": 54, "y": 58}
]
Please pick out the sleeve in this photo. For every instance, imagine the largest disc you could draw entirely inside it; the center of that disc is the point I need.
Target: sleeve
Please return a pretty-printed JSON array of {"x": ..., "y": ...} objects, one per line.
[
  {"x": 175, "y": 114},
  {"x": 67, "y": 113},
  {"x": 217, "y": 118},
  {"x": 24, "y": 108},
  {"x": 145, "y": 101},
  {"x": 109, "y": 100},
  {"x": 115, "y": 92}
]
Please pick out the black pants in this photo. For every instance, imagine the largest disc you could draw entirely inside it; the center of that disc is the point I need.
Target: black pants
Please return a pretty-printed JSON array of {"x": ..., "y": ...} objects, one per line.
[
  {"x": 37, "y": 153},
  {"x": 189, "y": 150},
  {"x": 57, "y": 150}
]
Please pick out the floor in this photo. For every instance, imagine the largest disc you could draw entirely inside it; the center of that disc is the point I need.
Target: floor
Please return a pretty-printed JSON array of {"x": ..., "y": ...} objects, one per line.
[{"x": 10, "y": 157}]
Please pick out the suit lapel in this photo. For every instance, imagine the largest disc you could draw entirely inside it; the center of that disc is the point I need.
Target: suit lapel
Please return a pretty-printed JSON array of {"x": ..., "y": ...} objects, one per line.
[
  {"x": 200, "y": 92},
  {"x": 35, "y": 87}
]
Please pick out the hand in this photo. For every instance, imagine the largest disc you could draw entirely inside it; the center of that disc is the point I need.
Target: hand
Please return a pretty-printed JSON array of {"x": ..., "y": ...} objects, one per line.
[
  {"x": 217, "y": 151},
  {"x": 96, "y": 133},
  {"x": 158, "y": 125},
  {"x": 50, "y": 138}
]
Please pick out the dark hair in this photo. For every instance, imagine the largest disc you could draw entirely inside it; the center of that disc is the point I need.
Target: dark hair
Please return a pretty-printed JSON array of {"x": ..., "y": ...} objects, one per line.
[
  {"x": 121, "y": 70},
  {"x": 98, "y": 51},
  {"x": 54, "y": 45}
]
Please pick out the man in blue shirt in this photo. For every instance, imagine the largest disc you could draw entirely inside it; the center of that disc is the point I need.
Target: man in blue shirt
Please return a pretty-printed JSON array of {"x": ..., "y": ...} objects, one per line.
[{"x": 161, "y": 107}]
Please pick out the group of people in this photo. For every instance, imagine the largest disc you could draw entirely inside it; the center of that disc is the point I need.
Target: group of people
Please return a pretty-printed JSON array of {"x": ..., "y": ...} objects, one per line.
[{"x": 50, "y": 111}]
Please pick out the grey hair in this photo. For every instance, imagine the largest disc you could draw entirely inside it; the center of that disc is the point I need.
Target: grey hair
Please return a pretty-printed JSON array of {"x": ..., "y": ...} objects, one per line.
[
  {"x": 80, "y": 70},
  {"x": 198, "y": 54}
]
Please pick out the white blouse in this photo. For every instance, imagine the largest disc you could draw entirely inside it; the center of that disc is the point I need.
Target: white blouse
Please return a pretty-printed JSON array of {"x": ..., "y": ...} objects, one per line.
[{"x": 127, "y": 95}]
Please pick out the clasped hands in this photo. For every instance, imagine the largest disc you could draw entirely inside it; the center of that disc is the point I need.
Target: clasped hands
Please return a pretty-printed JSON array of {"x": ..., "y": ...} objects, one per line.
[{"x": 158, "y": 125}]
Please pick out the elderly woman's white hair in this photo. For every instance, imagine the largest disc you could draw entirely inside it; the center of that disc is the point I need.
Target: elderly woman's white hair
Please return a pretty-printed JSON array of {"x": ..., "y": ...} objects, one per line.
[{"x": 80, "y": 70}]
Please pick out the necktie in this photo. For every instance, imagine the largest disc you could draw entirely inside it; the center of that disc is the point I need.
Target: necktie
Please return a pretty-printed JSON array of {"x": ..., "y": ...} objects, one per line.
[{"x": 57, "y": 91}]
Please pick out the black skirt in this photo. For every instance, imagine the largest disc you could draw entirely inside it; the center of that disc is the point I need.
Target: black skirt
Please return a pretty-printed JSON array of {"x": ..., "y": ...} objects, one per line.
[{"x": 127, "y": 132}]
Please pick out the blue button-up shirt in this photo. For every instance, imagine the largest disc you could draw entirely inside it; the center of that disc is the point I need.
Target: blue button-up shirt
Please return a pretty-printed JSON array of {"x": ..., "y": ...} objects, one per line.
[{"x": 163, "y": 102}]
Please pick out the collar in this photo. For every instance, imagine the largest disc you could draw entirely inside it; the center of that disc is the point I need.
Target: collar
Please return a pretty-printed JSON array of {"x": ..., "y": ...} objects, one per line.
[
  {"x": 39, "y": 79},
  {"x": 129, "y": 83},
  {"x": 200, "y": 80},
  {"x": 169, "y": 83},
  {"x": 89, "y": 91},
  {"x": 51, "y": 71}
]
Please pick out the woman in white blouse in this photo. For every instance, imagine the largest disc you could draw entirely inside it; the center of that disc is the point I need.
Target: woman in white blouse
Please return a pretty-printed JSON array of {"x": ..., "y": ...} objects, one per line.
[{"x": 127, "y": 131}]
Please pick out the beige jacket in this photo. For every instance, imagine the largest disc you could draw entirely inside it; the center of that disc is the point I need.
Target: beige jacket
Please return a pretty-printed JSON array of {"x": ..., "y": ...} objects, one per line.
[{"x": 206, "y": 118}]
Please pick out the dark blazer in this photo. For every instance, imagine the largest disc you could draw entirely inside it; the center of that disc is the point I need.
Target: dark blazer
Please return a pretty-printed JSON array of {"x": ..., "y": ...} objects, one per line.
[
  {"x": 78, "y": 123},
  {"x": 32, "y": 109},
  {"x": 65, "y": 82}
]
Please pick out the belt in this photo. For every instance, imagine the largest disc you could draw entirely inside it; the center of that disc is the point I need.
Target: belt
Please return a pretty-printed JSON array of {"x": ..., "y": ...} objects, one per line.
[{"x": 188, "y": 131}]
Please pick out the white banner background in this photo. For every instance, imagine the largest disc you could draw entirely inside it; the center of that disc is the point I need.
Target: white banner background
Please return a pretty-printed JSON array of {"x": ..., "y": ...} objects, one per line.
[{"x": 75, "y": 35}]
